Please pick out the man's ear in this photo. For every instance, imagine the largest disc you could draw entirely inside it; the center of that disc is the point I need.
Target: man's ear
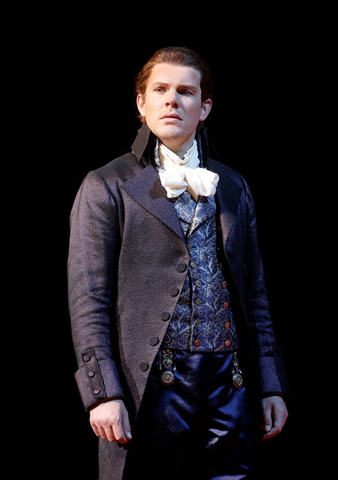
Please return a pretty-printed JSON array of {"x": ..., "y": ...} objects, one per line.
[{"x": 206, "y": 108}]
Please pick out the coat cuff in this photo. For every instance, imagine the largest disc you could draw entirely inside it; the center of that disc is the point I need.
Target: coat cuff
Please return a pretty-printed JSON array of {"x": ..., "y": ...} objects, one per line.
[
  {"x": 273, "y": 378},
  {"x": 97, "y": 380}
]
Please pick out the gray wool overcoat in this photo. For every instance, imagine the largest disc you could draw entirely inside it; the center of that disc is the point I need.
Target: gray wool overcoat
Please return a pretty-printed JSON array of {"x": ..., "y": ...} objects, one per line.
[{"x": 126, "y": 267}]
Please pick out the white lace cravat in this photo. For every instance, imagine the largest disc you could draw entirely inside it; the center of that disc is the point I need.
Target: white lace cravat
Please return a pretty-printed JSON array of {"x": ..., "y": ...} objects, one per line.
[{"x": 178, "y": 174}]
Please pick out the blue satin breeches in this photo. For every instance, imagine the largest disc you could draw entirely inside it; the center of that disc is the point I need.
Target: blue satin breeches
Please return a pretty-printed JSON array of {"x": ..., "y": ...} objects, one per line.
[{"x": 198, "y": 428}]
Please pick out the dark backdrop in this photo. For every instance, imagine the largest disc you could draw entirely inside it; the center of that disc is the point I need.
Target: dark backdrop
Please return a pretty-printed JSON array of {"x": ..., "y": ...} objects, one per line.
[{"x": 87, "y": 116}]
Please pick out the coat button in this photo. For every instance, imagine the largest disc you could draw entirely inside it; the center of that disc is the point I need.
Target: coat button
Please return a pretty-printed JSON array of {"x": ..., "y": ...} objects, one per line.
[
  {"x": 144, "y": 366},
  {"x": 174, "y": 291},
  {"x": 165, "y": 316},
  {"x": 86, "y": 358},
  {"x": 154, "y": 341},
  {"x": 181, "y": 267},
  {"x": 91, "y": 374}
]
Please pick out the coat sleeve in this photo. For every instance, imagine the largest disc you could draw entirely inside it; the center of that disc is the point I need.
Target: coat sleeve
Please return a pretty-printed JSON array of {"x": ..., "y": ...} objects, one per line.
[
  {"x": 92, "y": 246},
  {"x": 246, "y": 262}
]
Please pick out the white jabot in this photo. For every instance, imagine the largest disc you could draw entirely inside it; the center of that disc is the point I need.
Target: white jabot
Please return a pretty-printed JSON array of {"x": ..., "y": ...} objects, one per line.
[{"x": 178, "y": 174}]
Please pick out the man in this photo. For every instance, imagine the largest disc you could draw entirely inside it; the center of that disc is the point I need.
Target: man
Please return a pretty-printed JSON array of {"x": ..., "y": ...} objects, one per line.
[{"x": 169, "y": 311}]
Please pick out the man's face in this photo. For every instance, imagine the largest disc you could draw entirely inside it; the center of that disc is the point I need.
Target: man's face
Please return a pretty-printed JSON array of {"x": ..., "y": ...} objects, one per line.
[{"x": 172, "y": 105}]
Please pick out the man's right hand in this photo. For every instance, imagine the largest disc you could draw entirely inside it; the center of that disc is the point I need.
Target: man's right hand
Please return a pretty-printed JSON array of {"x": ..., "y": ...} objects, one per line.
[{"x": 110, "y": 420}]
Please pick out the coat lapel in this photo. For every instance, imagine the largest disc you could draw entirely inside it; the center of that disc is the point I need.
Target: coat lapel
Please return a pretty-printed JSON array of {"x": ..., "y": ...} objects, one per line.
[
  {"x": 146, "y": 189},
  {"x": 227, "y": 198}
]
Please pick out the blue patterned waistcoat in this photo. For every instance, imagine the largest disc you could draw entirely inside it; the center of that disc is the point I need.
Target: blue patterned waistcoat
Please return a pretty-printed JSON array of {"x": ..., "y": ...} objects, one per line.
[{"x": 202, "y": 320}]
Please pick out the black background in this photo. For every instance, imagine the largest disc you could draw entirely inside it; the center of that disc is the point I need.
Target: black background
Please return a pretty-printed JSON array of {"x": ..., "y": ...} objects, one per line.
[{"x": 82, "y": 72}]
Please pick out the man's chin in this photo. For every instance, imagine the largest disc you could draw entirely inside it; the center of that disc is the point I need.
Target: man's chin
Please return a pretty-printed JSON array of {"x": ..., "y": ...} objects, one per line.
[{"x": 170, "y": 131}]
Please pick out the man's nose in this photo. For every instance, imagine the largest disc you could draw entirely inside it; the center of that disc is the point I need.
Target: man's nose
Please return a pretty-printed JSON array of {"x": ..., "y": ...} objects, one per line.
[{"x": 172, "y": 99}]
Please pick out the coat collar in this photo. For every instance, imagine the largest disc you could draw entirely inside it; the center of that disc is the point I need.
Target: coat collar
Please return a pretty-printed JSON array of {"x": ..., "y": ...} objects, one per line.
[
  {"x": 142, "y": 141},
  {"x": 145, "y": 140}
]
